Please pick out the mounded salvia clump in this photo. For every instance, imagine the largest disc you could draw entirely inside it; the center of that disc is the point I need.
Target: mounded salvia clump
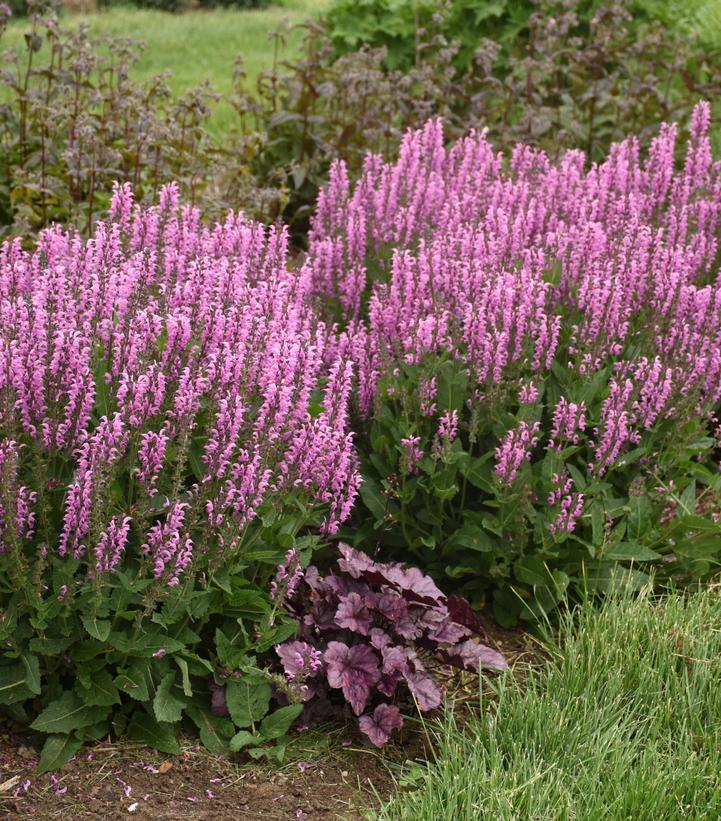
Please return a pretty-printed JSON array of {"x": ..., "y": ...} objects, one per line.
[
  {"x": 363, "y": 632},
  {"x": 539, "y": 358},
  {"x": 173, "y": 418}
]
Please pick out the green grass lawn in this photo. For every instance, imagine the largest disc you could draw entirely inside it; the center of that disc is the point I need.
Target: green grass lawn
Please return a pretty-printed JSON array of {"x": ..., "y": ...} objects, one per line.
[
  {"x": 700, "y": 16},
  {"x": 622, "y": 723},
  {"x": 196, "y": 45}
]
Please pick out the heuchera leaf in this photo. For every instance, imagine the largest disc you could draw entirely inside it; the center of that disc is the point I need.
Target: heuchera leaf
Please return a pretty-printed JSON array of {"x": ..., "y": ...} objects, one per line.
[
  {"x": 354, "y": 562},
  {"x": 352, "y": 669},
  {"x": 391, "y": 606},
  {"x": 379, "y": 638},
  {"x": 462, "y": 613},
  {"x": 366, "y": 619},
  {"x": 448, "y": 632},
  {"x": 425, "y": 690},
  {"x": 469, "y": 655},
  {"x": 395, "y": 660},
  {"x": 380, "y": 724},
  {"x": 413, "y": 583},
  {"x": 352, "y": 614}
]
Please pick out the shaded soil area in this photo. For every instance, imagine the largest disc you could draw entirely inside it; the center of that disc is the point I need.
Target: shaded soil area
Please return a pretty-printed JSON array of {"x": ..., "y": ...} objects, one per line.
[
  {"x": 125, "y": 781},
  {"x": 331, "y": 773}
]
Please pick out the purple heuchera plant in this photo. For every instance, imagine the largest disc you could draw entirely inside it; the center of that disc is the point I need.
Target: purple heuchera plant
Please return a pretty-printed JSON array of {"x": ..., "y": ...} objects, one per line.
[{"x": 362, "y": 630}]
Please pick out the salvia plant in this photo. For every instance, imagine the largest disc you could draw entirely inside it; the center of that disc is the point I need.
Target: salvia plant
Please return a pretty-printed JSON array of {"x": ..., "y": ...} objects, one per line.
[
  {"x": 173, "y": 419},
  {"x": 538, "y": 354},
  {"x": 365, "y": 635}
]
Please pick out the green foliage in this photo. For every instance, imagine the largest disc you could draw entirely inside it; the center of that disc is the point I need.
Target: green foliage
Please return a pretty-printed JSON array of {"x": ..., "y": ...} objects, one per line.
[
  {"x": 581, "y": 76},
  {"x": 399, "y": 26},
  {"x": 239, "y": 4},
  {"x": 70, "y": 126},
  {"x": 80, "y": 661},
  {"x": 495, "y": 543},
  {"x": 580, "y": 82}
]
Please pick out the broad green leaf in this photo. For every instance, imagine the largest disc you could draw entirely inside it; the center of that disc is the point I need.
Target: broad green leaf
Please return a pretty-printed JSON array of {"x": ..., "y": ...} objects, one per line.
[
  {"x": 49, "y": 647},
  {"x": 166, "y": 706},
  {"x": 145, "y": 729},
  {"x": 597, "y": 524},
  {"x": 145, "y": 645},
  {"x": 279, "y": 722},
  {"x": 133, "y": 681},
  {"x": 103, "y": 691},
  {"x": 687, "y": 502},
  {"x": 32, "y": 672},
  {"x": 66, "y": 714},
  {"x": 452, "y": 387},
  {"x": 531, "y": 570},
  {"x": 639, "y": 520},
  {"x": 609, "y": 578},
  {"x": 183, "y": 665},
  {"x": 630, "y": 551},
  {"x": 247, "y": 700},
  {"x": 241, "y": 739},
  {"x": 58, "y": 750},
  {"x": 469, "y": 536},
  {"x": 277, "y": 635},
  {"x": 215, "y": 732},
  {"x": 196, "y": 665},
  {"x": 698, "y": 547},
  {"x": 479, "y": 473},
  {"x": 693, "y": 522},
  {"x": 578, "y": 478},
  {"x": 373, "y": 498},
  {"x": 97, "y": 628},
  {"x": 13, "y": 683}
]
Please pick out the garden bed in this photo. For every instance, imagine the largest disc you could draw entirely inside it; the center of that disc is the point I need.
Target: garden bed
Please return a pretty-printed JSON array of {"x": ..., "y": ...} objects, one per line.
[
  {"x": 115, "y": 781},
  {"x": 330, "y": 772}
]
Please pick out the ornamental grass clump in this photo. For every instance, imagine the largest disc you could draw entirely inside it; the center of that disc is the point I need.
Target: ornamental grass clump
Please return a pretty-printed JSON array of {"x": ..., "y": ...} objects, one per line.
[
  {"x": 538, "y": 347},
  {"x": 173, "y": 419}
]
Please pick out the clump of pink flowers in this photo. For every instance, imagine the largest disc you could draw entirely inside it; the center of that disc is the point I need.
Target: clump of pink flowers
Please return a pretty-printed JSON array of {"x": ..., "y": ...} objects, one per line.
[
  {"x": 161, "y": 349},
  {"x": 509, "y": 265}
]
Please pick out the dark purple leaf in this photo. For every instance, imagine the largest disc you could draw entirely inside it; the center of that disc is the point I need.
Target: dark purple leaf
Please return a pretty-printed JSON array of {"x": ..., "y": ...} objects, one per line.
[
  {"x": 425, "y": 690},
  {"x": 391, "y": 606},
  {"x": 321, "y": 616},
  {"x": 415, "y": 585},
  {"x": 352, "y": 669},
  {"x": 341, "y": 586},
  {"x": 462, "y": 613},
  {"x": 354, "y": 563},
  {"x": 379, "y": 725},
  {"x": 395, "y": 660},
  {"x": 374, "y": 612},
  {"x": 314, "y": 580},
  {"x": 352, "y": 614},
  {"x": 218, "y": 705},
  {"x": 379, "y": 638},
  {"x": 410, "y": 626},
  {"x": 388, "y": 683},
  {"x": 448, "y": 633},
  {"x": 469, "y": 655}
]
